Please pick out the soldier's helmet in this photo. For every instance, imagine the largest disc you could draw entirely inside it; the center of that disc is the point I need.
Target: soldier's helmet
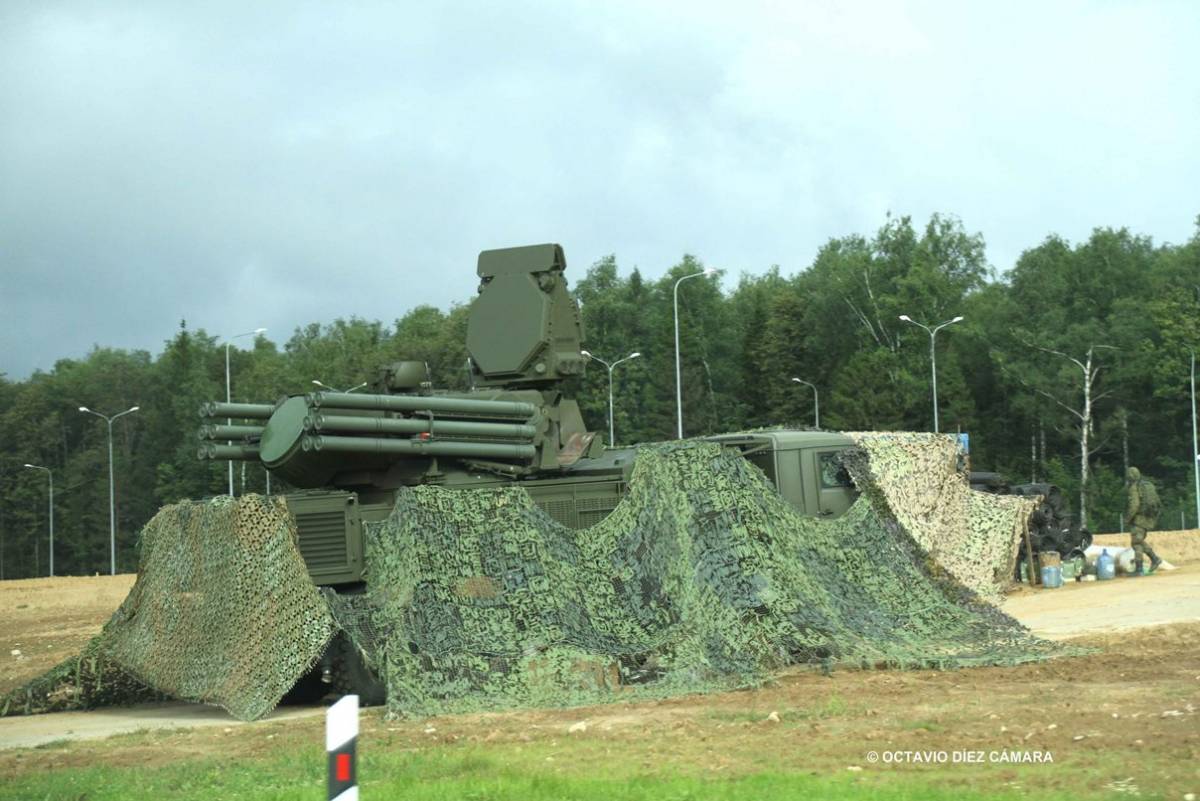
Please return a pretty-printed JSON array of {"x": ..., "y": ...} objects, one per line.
[{"x": 1133, "y": 475}]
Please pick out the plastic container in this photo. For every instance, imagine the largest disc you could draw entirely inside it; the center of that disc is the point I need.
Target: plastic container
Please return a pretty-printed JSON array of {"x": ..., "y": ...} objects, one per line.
[
  {"x": 1073, "y": 568},
  {"x": 1052, "y": 576},
  {"x": 1122, "y": 557},
  {"x": 1106, "y": 567}
]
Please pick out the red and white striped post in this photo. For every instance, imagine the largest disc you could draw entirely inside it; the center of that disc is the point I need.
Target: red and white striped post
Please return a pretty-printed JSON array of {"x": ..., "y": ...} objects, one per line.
[{"x": 341, "y": 737}]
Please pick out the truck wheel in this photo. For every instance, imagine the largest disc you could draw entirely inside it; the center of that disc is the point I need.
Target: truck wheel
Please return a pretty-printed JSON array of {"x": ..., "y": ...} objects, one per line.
[
  {"x": 308, "y": 689},
  {"x": 352, "y": 676}
]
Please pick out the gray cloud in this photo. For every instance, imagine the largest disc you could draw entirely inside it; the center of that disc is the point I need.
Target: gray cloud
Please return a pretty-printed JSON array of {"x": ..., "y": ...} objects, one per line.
[{"x": 265, "y": 166}]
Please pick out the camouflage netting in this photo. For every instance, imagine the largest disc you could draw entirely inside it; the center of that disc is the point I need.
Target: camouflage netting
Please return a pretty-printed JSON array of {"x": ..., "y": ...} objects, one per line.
[
  {"x": 915, "y": 479},
  {"x": 85, "y": 681},
  {"x": 702, "y": 578},
  {"x": 223, "y": 612}
]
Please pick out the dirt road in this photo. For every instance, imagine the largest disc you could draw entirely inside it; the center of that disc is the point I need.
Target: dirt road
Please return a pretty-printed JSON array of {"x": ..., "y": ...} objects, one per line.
[
  {"x": 1122, "y": 604},
  {"x": 35, "y": 730}
]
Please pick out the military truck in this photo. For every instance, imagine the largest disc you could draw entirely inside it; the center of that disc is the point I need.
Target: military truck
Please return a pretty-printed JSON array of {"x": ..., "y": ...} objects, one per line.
[
  {"x": 348, "y": 453},
  {"x": 804, "y": 466}
]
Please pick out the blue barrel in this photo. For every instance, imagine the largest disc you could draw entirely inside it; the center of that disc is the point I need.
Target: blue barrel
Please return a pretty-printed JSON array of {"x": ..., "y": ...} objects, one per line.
[
  {"x": 1052, "y": 576},
  {"x": 1106, "y": 567}
]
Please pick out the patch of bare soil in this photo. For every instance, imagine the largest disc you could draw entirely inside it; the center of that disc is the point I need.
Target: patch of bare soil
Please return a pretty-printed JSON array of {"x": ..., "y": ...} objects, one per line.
[
  {"x": 1122, "y": 604},
  {"x": 1177, "y": 547},
  {"x": 44, "y": 621}
]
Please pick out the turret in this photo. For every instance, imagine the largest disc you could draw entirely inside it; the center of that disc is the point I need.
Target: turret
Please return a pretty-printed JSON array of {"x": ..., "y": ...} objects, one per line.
[
  {"x": 525, "y": 330},
  {"x": 524, "y": 337}
]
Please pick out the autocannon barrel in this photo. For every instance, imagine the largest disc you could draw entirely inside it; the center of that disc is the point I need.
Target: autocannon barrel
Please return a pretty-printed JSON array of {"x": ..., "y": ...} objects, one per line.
[
  {"x": 215, "y": 431},
  {"x": 412, "y": 447},
  {"x": 253, "y": 411},
  {"x": 421, "y": 403},
  {"x": 416, "y": 425},
  {"x": 215, "y": 450}
]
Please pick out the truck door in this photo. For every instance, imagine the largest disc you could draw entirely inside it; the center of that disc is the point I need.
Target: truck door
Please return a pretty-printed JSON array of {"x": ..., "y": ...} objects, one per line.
[{"x": 829, "y": 482}]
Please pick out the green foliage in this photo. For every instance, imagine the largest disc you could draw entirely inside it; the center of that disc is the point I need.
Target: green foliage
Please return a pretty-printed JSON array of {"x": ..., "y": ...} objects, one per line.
[{"x": 834, "y": 323}]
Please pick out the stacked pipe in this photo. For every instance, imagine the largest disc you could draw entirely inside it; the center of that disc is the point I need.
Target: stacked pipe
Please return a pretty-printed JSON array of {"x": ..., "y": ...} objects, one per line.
[
  {"x": 306, "y": 436},
  {"x": 218, "y": 441},
  {"x": 507, "y": 432}
]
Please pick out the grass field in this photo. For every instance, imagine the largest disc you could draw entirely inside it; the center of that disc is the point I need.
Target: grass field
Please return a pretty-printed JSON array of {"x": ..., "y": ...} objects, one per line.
[
  {"x": 471, "y": 773},
  {"x": 579, "y": 768}
]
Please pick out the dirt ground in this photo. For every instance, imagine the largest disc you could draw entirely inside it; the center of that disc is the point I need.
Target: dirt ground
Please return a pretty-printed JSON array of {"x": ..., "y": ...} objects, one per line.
[
  {"x": 1177, "y": 547},
  {"x": 44, "y": 621},
  {"x": 1122, "y": 604}
]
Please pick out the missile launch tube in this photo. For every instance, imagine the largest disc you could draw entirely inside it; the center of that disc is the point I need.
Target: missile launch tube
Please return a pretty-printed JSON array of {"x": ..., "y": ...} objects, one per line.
[
  {"x": 421, "y": 403},
  {"x": 253, "y": 411},
  {"x": 382, "y": 425},
  {"x": 229, "y": 432},
  {"x": 410, "y": 447},
  {"x": 212, "y": 450}
]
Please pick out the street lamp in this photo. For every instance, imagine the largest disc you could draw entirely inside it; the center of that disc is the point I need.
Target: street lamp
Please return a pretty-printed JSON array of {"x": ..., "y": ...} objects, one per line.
[
  {"x": 228, "y": 393},
  {"x": 678, "y": 379},
  {"x": 816, "y": 401},
  {"x": 343, "y": 391},
  {"x": 49, "y": 475},
  {"x": 932, "y": 357},
  {"x": 611, "y": 367},
  {"x": 112, "y": 506},
  {"x": 1195, "y": 449}
]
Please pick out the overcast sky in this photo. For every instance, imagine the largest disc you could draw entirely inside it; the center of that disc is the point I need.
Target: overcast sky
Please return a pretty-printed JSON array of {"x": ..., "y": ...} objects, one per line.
[{"x": 259, "y": 165}]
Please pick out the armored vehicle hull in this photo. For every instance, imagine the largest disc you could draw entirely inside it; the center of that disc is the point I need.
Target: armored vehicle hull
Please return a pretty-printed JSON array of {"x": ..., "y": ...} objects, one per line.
[{"x": 349, "y": 454}]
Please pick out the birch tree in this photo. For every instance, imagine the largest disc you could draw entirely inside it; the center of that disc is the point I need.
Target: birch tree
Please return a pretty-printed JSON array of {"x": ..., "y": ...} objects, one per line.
[{"x": 1084, "y": 413}]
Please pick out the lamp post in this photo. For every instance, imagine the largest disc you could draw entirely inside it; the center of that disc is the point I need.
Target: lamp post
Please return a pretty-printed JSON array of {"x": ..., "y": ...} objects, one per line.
[
  {"x": 112, "y": 506},
  {"x": 932, "y": 356},
  {"x": 611, "y": 367},
  {"x": 50, "y": 476},
  {"x": 343, "y": 391},
  {"x": 678, "y": 372},
  {"x": 816, "y": 401},
  {"x": 228, "y": 390},
  {"x": 1195, "y": 449}
]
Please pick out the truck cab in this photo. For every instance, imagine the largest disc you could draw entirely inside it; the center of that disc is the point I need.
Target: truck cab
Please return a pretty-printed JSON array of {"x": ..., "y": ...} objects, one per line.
[{"x": 804, "y": 466}]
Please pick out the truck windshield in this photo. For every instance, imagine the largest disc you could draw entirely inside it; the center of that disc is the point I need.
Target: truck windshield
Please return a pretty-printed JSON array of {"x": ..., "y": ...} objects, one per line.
[{"x": 833, "y": 474}]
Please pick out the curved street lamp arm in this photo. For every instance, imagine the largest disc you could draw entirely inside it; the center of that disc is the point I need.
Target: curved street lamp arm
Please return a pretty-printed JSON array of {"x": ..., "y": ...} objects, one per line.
[
  {"x": 595, "y": 358},
  {"x": 130, "y": 410},
  {"x": 624, "y": 359}
]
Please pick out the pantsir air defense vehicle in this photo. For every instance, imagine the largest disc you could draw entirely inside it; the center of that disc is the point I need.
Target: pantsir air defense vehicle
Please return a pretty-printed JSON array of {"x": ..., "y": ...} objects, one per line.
[{"x": 349, "y": 453}]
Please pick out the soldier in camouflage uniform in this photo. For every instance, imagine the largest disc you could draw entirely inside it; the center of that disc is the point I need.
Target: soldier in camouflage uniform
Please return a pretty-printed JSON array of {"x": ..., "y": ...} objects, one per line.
[{"x": 1142, "y": 516}]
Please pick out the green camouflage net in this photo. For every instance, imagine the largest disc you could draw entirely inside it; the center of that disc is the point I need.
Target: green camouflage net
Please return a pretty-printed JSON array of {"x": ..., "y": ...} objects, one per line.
[
  {"x": 702, "y": 578},
  {"x": 85, "y": 681},
  {"x": 916, "y": 479},
  {"x": 223, "y": 612}
]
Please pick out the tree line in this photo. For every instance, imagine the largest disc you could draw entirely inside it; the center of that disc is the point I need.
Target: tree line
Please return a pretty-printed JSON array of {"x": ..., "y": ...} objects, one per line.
[{"x": 1067, "y": 368}]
